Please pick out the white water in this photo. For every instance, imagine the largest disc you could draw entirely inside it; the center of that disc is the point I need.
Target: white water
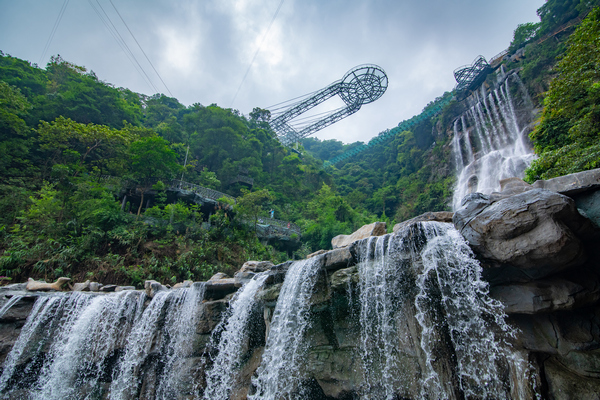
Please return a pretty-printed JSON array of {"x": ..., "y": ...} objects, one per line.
[
  {"x": 278, "y": 375},
  {"x": 7, "y": 306},
  {"x": 91, "y": 339},
  {"x": 428, "y": 270},
  {"x": 379, "y": 331},
  {"x": 450, "y": 267},
  {"x": 488, "y": 144},
  {"x": 233, "y": 331},
  {"x": 171, "y": 337}
]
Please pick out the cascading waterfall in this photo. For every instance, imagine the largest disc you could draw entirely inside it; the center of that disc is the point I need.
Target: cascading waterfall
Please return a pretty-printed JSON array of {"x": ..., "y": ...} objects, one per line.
[
  {"x": 278, "y": 375},
  {"x": 450, "y": 269},
  {"x": 171, "y": 318},
  {"x": 489, "y": 144},
  {"x": 233, "y": 335},
  {"x": 72, "y": 345},
  {"x": 426, "y": 275},
  {"x": 427, "y": 328}
]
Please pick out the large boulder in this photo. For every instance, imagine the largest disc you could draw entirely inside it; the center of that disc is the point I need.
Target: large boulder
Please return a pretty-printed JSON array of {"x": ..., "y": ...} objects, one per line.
[
  {"x": 374, "y": 229},
  {"x": 439, "y": 216},
  {"x": 219, "y": 286},
  {"x": 550, "y": 294},
  {"x": 249, "y": 270},
  {"x": 537, "y": 232}
]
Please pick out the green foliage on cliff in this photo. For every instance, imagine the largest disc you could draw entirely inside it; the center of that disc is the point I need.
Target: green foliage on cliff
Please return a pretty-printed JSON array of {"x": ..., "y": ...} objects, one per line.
[
  {"x": 85, "y": 170},
  {"x": 399, "y": 178},
  {"x": 567, "y": 138}
]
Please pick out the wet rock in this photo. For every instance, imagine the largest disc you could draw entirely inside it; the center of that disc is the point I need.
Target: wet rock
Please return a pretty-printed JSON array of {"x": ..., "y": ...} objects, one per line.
[
  {"x": 249, "y": 270},
  {"x": 108, "y": 288},
  {"x": 184, "y": 284},
  {"x": 14, "y": 287},
  {"x": 122, "y": 288},
  {"x": 548, "y": 295},
  {"x": 565, "y": 384},
  {"x": 95, "y": 286},
  {"x": 338, "y": 258},
  {"x": 342, "y": 279},
  {"x": 219, "y": 286},
  {"x": 34, "y": 285},
  {"x": 277, "y": 273},
  {"x": 374, "y": 229},
  {"x": 211, "y": 315},
  {"x": 560, "y": 332},
  {"x": 152, "y": 287},
  {"x": 82, "y": 286},
  {"x": 536, "y": 232},
  {"x": 271, "y": 293},
  {"x": 440, "y": 216}
]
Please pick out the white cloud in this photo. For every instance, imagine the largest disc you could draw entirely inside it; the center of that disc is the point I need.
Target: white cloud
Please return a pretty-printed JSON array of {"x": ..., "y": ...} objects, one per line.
[{"x": 202, "y": 49}]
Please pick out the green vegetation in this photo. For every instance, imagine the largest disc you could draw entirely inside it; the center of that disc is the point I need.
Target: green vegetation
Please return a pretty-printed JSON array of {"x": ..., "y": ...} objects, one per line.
[
  {"x": 90, "y": 174},
  {"x": 86, "y": 172},
  {"x": 399, "y": 178},
  {"x": 567, "y": 138}
]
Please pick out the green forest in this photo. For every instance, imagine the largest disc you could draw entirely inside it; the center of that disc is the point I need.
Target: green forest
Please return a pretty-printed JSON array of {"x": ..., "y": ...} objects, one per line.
[{"x": 89, "y": 172}]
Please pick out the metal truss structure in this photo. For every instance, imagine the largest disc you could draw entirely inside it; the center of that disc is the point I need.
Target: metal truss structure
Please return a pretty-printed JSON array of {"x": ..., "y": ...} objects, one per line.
[
  {"x": 361, "y": 85},
  {"x": 469, "y": 77}
]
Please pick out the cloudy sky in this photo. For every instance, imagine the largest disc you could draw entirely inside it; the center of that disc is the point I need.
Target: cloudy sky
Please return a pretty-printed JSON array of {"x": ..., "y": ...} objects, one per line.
[{"x": 202, "y": 49}]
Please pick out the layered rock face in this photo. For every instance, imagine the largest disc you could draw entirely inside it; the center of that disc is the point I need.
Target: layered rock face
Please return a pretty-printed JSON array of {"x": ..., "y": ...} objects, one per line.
[
  {"x": 405, "y": 315},
  {"x": 540, "y": 255}
]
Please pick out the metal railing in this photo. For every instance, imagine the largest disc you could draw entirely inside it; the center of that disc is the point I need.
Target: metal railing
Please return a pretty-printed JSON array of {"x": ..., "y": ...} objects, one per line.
[
  {"x": 285, "y": 227},
  {"x": 202, "y": 191}
]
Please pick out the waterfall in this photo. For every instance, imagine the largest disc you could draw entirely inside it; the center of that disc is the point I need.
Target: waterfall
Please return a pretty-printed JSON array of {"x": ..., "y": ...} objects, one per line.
[
  {"x": 7, "y": 306},
  {"x": 492, "y": 142},
  {"x": 421, "y": 289},
  {"x": 233, "y": 334},
  {"x": 278, "y": 375},
  {"x": 85, "y": 345},
  {"x": 166, "y": 327}
]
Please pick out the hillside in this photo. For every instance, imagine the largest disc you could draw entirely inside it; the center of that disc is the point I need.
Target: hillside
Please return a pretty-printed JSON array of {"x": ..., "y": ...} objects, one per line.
[{"x": 89, "y": 173}]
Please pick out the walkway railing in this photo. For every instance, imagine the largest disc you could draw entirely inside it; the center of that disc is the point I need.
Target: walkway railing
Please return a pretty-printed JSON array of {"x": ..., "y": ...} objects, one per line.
[
  {"x": 274, "y": 226},
  {"x": 285, "y": 227},
  {"x": 202, "y": 191}
]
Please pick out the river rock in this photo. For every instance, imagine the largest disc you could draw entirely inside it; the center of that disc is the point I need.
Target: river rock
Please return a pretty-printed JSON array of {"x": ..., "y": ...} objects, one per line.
[
  {"x": 249, "y": 270},
  {"x": 535, "y": 231},
  {"x": 82, "y": 286},
  {"x": 34, "y": 285},
  {"x": 219, "y": 286},
  {"x": 184, "y": 284},
  {"x": 440, "y": 216},
  {"x": 123, "y": 288},
  {"x": 95, "y": 286},
  {"x": 152, "y": 287},
  {"x": 374, "y": 229},
  {"x": 108, "y": 288}
]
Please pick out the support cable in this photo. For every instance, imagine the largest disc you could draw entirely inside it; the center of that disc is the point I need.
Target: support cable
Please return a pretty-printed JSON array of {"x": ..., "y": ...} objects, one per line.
[
  {"x": 143, "y": 52},
  {"x": 119, "y": 39},
  {"x": 54, "y": 29}
]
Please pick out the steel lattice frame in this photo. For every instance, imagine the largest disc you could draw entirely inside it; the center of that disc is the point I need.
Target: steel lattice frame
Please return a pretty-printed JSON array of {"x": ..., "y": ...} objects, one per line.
[
  {"x": 361, "y": 85},
  {"x": 470, "y": 76}
]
